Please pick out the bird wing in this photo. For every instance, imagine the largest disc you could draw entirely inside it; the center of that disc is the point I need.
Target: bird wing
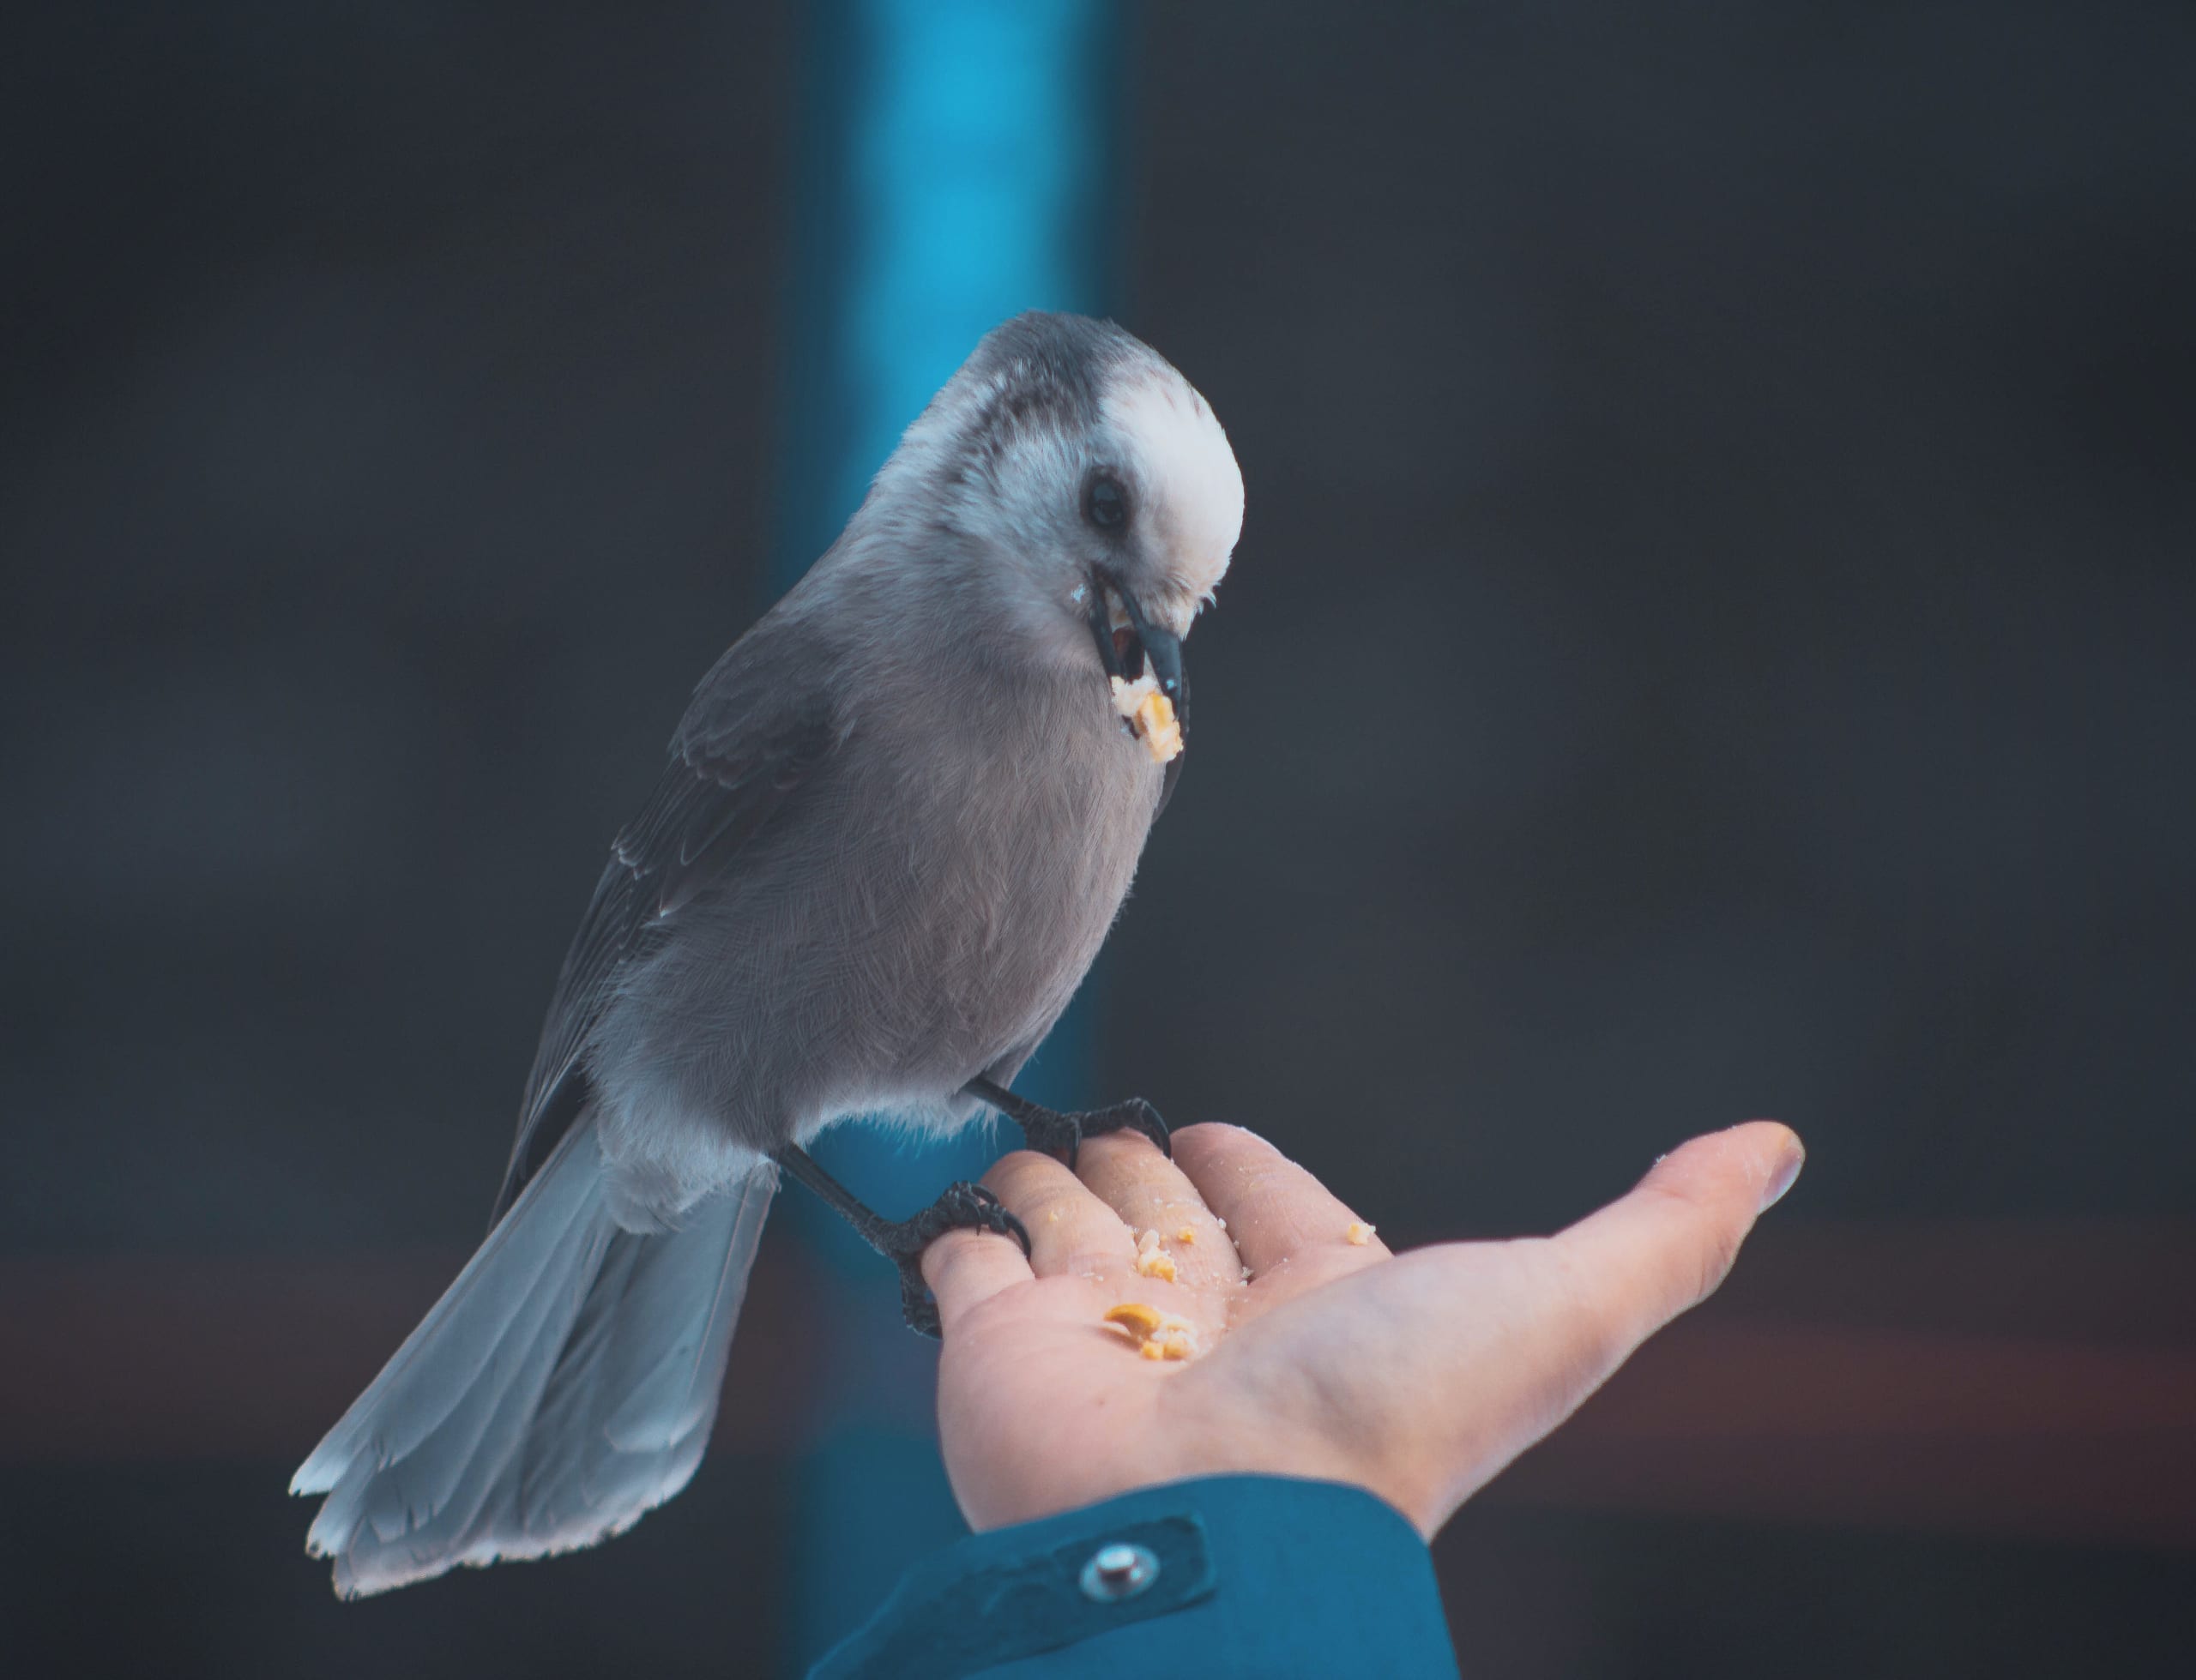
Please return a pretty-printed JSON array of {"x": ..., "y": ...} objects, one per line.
[{"x": 759, "y": 723}]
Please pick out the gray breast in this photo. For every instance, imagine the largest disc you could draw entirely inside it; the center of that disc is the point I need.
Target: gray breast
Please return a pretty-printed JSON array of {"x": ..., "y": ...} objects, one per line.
[{"x": 925, "y": 917}]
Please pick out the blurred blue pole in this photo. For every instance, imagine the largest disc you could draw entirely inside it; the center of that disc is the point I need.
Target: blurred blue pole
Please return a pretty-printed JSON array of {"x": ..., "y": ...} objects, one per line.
[{"x": 955, "y": 168}]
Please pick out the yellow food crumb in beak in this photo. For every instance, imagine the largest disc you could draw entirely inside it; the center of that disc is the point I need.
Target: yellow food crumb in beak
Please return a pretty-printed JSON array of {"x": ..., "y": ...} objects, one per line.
[
  {"x": 1150, "y": 714},
  {"x": 1162, "y": 735}
]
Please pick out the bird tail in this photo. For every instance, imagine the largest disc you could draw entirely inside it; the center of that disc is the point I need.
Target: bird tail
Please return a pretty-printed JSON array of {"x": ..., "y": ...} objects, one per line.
[{"x": 564, "y": 1385}]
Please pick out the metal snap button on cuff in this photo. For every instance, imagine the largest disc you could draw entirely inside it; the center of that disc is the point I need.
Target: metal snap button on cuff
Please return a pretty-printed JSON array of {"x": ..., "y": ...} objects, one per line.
[{"x": 1117, "y": 1572}]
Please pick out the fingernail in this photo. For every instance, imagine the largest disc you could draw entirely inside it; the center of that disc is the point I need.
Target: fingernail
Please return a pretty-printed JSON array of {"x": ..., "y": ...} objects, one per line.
[{"x": 1788, "y": 1169}]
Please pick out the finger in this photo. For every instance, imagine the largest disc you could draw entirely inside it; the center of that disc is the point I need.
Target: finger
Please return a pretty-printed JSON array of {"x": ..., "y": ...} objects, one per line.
[
  {"x": 1664, "y": 1248},
  {"x": 1520, "y": 1333},
  {"x": 1149, "y": 1193},
  {"x": 1071, "y": 1230},
  {"x": 965, "y": 1268},
  {"x": 1285, "y": 1222}
]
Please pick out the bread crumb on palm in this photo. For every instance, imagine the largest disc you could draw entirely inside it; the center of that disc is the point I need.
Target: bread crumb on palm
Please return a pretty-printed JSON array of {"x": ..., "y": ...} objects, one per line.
[
  {"x": 1139, "y": 1319},
  {"x": 1358, "y": 1233},
  {"x": 1157, "y": 1335}
]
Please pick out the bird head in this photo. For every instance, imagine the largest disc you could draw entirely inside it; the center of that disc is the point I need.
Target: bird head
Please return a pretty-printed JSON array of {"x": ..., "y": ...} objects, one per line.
[{"x": 1075, "y": 458}]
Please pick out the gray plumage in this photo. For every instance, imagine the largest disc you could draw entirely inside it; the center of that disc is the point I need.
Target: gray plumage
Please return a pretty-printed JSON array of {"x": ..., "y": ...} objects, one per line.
[{"x": 898, "y": 819}]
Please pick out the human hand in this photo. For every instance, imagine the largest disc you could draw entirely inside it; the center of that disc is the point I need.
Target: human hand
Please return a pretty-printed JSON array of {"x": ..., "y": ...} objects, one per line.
[{"x": 1417, "y": 1376}]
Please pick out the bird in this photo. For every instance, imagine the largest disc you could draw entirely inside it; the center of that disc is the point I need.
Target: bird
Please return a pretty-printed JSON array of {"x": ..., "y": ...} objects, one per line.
[{"x": 896, "y": 822}]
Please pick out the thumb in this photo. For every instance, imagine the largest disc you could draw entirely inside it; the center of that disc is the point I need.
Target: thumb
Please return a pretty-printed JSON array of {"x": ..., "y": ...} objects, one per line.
[{"x": 1664, "y": 1248}]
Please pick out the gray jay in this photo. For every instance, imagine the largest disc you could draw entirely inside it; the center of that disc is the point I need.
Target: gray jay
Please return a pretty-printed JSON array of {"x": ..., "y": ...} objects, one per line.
[{"x": 898, "y": 818}]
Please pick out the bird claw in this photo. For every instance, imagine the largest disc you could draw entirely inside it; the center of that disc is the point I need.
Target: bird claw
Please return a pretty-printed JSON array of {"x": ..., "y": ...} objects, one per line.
[
  {"x": 961, "y": 1206},
  {"x": 1062, "y": 1136}
]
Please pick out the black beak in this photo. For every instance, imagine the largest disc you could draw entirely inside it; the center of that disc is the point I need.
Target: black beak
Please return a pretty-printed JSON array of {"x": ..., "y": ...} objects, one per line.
[
  {"x": 1101, "y": 630},
  {"x": 1154, "y": 649},
  {"x": 1162, "y": 657}
]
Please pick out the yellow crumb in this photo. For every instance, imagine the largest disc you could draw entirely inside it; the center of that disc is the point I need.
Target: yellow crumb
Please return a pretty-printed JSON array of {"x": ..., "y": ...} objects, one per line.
[
  {"x": 1358, "y": 1233},
  {"x": 1186, "y": 1234},
  {"x": 1158, "y": 1335},
  {"x": 1151, "y": 1261},
  {"x": 1135, "y": 1316},
  {"x": 1149, "y": 714},
  {"x": 1177, "y": 1338},
  {"x": 1162, "y": 735},
  {"x": 1052, "y": 1218}
]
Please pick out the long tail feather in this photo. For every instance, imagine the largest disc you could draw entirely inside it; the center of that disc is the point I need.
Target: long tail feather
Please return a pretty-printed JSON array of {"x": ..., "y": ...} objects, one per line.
[{"x": 564, "y": 1385}]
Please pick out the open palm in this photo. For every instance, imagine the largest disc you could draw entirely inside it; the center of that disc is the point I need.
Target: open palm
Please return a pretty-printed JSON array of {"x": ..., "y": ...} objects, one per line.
[{"x": 1319, "y": 1354}]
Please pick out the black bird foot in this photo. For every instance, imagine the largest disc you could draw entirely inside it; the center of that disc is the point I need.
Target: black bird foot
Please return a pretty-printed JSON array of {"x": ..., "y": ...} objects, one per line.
[
  {"x": 963, "y": 1207},
  {"x": 1061, "y": 1135}
]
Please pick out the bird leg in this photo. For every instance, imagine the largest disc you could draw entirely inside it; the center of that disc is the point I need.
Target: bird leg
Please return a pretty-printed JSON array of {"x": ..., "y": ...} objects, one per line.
[
  {"x": 962, "y": 1206},
  {"x": 1060, "y": 1135}
]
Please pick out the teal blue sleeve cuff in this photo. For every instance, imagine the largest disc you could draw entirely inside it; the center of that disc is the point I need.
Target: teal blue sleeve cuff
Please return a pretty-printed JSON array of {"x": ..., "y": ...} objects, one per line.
[{"x": 1250, "y": 1575}]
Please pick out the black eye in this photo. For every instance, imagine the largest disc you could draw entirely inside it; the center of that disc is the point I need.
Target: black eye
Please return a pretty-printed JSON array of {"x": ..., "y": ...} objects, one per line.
[{"x": 1105, "y": 503}]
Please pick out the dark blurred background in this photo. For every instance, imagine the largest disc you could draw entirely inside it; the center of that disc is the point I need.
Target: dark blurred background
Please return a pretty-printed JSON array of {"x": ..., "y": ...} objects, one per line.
[{"x": 1710, "y": 639}]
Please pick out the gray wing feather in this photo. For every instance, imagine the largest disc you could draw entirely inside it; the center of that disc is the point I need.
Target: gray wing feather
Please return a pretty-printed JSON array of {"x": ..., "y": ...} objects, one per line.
[{"x": 759, "y": 723}]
